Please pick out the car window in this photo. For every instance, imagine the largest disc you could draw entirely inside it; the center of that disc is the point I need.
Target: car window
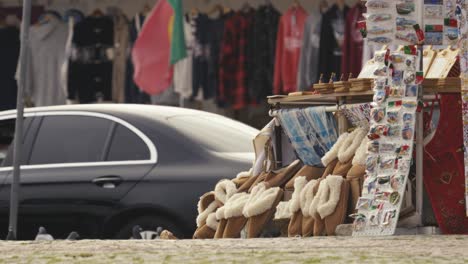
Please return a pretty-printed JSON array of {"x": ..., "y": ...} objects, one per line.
[
  {"x": 70, "y": 139},
  {"x": 127, "y": 146},
  {"x": 7, "y": 135},
  {"x": 216, "y": 133}
]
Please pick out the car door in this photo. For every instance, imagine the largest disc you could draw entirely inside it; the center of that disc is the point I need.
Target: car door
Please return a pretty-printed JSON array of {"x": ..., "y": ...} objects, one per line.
[
  {"x": 7, "y": 130},
  {"x": 80, "y": 166}
]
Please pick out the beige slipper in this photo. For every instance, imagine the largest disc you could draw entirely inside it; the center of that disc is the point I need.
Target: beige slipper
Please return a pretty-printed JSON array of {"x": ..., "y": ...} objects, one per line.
[
  {"x": 260, "y": 208},
  {"x": 310, "y": 172},
  {"x": 208, "y": 230},
  {"x": 235, "y": 220},
  {"x": 281, "y": 177},
  {"x": 339, "y": 215},
  {"x": 295, "y": 225},
  {"x": 307, "y": 197},
  {"x": 356, "y": 176},
  {"x": 224, "y": 190}
]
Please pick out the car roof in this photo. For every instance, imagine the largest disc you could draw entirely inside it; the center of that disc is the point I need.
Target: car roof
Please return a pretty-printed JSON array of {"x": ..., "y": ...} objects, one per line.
[{"x": 156, "y": 112}]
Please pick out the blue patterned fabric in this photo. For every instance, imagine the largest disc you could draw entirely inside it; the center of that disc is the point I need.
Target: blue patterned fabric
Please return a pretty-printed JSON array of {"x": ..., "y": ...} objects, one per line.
[{"x": 312, "y": 132}]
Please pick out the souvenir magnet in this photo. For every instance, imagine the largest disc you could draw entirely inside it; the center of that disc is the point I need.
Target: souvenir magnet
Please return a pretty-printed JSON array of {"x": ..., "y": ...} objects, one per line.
[
  {"x": 394, "y": 131},
  {"x": 410, "y": 78},
  {"x": 394, "y": 198},
  {"x": 396, "y": 92},
  {"x": 371, "y": 163},
  {"x": 404, "y": 150},
  {"x": 408, "y": 118},
  {"x": 380, "y": 96},
  {"x": 373, "y": 147},
  {"x": 359, "y": 223},
  {"x": 378, "y": 114},
  {"x": 387, "y": 148},
  {"x": 407, "y": 132},
  {"x": 411, "y": 90},
  {"x": 410, "y": 104},
  {"x": 387, "y": 164},
  {"x": 392, "y": 117},
  {"x": 363, "y": 203},
  {"x": 404, "y": 165},
  {"x": 397, "y": 77},
  {"x": 396, "y": 182}
]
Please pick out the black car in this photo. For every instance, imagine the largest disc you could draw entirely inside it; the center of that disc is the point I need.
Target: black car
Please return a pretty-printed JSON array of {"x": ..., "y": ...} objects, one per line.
[{"x": 102, "y": 169}]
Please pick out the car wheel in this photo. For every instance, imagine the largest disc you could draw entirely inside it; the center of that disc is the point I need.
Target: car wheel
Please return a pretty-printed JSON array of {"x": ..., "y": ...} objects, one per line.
[{"x": 149, "y": 224}]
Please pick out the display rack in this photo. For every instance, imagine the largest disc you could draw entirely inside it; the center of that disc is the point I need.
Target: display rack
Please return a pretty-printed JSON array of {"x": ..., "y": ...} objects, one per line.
[{"x": 412, "y": 223}]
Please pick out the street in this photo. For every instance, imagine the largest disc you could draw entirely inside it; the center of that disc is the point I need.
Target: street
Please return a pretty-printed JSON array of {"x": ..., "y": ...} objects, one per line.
[{"x": 400, "y": 249}]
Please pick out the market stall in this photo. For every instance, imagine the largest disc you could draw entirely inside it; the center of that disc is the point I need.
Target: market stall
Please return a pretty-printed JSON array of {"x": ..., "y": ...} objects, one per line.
[{"x": 408, "y": 169}]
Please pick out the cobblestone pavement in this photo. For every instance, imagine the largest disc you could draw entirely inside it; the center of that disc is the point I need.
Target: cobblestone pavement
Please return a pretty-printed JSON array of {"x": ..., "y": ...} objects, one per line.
[{"x": 404, "y": 249}]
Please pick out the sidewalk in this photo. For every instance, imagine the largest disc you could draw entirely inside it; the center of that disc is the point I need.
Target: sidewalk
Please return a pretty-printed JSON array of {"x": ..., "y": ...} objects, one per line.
[{"x": 414, "y": 249}]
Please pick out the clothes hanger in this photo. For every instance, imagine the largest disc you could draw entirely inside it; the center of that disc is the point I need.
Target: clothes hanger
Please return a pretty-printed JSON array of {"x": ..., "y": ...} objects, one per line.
[
  {"x": 97, "y": 13},
  {"x": 246, "y": 7},
  {"x": 296, "y": 4},
  {"x": 216, "y": 8},
  {"x": 146, "y": 9}
]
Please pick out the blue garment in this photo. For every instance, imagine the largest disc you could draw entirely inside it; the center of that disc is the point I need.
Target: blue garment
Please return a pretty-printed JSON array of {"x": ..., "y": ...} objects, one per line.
[{"x": 312, "y": 132}]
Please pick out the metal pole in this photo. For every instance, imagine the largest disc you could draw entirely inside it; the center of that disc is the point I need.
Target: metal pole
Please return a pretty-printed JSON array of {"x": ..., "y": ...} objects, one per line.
[
  {"x": 420, "y": 149},
  {"x": 15, "y": 186}
]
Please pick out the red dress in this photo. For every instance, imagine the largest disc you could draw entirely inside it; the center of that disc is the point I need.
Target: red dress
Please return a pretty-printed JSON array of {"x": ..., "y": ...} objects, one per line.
[{"x": 444, "y": 175}]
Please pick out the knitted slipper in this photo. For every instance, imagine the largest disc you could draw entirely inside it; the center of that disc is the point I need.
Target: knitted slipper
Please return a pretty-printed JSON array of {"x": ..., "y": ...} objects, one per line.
[
  {"x": 233, "y": 213},
  {"x": 295, "y": 225},
  {"x": 339, "y": 215},
  {"x": 260, "y": 208},
  {"x": 310, "y": 172},
  {"x": 280, "y": 178}
]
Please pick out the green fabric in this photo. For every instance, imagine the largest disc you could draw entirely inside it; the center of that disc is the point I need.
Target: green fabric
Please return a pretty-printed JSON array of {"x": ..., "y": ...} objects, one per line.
[{"x": 178, "y": 47}]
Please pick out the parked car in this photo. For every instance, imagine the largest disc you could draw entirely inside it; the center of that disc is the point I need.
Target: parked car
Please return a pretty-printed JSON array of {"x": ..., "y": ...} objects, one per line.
[{"x": 102, "y": 169}]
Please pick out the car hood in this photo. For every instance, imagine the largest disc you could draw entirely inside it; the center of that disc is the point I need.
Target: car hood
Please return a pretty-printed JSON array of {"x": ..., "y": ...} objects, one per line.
[{"x": 248, "y": 157}]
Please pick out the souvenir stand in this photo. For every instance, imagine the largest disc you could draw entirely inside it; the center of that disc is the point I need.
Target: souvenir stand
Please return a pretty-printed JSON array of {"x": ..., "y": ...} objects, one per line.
[{"x": 442, "y": 72}]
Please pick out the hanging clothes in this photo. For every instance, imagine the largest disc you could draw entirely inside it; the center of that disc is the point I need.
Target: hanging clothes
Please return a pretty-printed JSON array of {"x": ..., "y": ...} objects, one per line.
[
  {"x": 201, "y": 54},
  {"x": 90, "y": 73},
  {"x": 133, "y": 94},
  {"x": 46, "y": 55},
  {"x": 265, "y": 30},
  {"x": 216, "y": 29},
  {"x": 331, "y": 41},
  {"x": 234, "y": 61},
  {"x": 9, "y": 53},
  {"x": 309, "y": 66},
  {"x": 353, "y": 41},
  {"x": 288, "y": 50},
  {"x": 183, "y": 69},
  {"x": 121, "y": 45}
]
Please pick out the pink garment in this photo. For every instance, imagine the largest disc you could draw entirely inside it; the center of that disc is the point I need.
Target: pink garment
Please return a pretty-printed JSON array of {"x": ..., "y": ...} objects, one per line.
[
  {"x": 288, "y": 50},
  {"x": 152, "y": 49}
]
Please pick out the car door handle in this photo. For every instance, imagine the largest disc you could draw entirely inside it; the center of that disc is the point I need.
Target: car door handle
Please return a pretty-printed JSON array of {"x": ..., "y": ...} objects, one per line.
[{"x": 108, "y": 182}]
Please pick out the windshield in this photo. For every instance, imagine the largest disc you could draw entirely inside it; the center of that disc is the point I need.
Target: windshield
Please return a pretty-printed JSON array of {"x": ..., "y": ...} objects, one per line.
[{"x": 216, "y": 133}]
